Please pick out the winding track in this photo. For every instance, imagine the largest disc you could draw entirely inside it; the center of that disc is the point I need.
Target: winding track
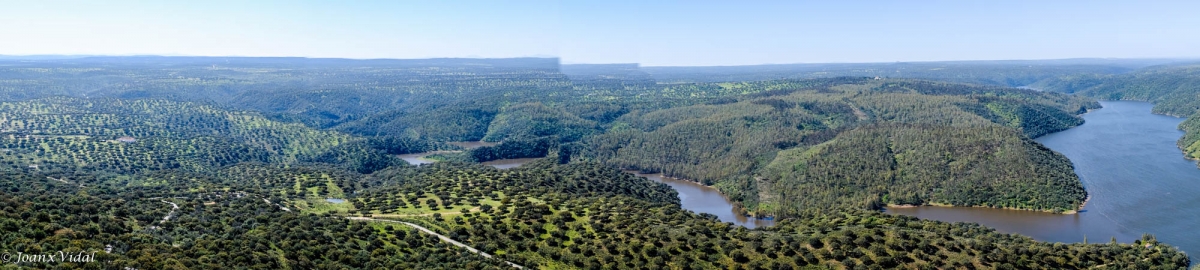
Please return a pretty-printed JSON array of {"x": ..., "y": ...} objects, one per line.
[
  {"x": 173, "y": 208},
  {"x": 447, "y": 239},
  {"x": 443, "y": 237}
]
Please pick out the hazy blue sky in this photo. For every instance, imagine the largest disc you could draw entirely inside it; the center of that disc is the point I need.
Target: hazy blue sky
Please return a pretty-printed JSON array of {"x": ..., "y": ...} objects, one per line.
[{"x": 654, "y": 33}]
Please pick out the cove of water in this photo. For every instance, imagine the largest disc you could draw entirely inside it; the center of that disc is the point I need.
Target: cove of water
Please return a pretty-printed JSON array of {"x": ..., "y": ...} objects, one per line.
[
  {"x": 503, "y": 164},
  {"x": 416, "y": 159},
  {"x": 704, "y": 199},
  {"x": 419, "y": 157},
  {"x": 332, "y": 200},
  {"x": 1138, "y": 180},
  {"x": 693, "y": 196}
]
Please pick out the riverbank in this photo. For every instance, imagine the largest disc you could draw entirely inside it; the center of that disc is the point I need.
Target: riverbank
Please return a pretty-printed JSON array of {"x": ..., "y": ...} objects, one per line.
[
  {"x": 1068, "y": 212},
  {"x": 503, "y": 164},
  {"x": 1081, "y": 205},
  {"x": 737, "y": 206},
  {"x": 1128, "y": 160},
  {"x": 701, "y": 198}
]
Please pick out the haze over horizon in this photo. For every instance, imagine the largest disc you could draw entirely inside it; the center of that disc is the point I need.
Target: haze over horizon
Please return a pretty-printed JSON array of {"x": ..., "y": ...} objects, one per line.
[{"x": 651, "y": 34}]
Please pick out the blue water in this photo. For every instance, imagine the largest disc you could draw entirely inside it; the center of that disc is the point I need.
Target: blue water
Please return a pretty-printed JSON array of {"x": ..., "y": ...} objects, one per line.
[
  {"x": 1138, "y": 180},
  {"x": 704, "y": 199},
  {"x": 332, "y": 200}
]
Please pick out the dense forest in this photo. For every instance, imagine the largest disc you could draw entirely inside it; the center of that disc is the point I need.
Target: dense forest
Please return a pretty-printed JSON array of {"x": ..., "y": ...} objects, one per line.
[
  {"x": 137, "y": 228},
  {"x": 260, "y": 163},
  {"x": 725, "y": 135},
  {"x": 935, "y": 133},
  {"x": 60, "y": 134},
  {"x": 543, "y": 215},
  {"x": 1011, "y": 73},
  {"x": 1174, "y": 90}
]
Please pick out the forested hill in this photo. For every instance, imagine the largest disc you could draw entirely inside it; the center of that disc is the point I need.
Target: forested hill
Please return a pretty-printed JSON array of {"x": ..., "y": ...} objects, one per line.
[
  {"x": 1174, "y": 90},
  {"x": 458, "y": 99},
  {"x": 724, "y": 134},
  {"x": 577, "y": 216},
  {"x": 62, "y": 135},
  {"x": 805, "y": 148},
  {"x": 261, "y": 163},
  {"x": 1011, "y": 73},
  {"x": 322, "y": 93}
]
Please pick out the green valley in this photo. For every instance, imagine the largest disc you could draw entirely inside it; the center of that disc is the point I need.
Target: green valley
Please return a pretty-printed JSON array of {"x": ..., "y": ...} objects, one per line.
[{"x": 303, "y": 173}]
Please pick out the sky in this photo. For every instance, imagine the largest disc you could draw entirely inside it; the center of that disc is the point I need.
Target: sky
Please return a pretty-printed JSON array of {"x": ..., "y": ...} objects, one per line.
[{"x": 653, "y": 33}]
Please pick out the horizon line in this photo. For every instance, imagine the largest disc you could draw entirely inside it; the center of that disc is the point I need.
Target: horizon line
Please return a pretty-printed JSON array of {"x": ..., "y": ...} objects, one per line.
[{"x": 34, "y": 57}]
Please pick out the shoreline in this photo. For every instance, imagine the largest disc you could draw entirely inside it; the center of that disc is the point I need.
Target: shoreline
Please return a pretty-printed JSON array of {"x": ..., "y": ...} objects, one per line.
[
  {"x": 1068, "y": 212},
  {"x": 738, "y": 208}
]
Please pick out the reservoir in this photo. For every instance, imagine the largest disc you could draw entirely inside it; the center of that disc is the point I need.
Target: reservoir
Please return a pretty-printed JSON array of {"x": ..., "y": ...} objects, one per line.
[
  {"x": 332, "y": 200},
  {"x": 503, "y": 164},
  {"x": 416, "y": 159},
  {"x": 693, "y": 196},
  {"x": 1138, "y": 180},
  {"x": 704, "y": 199},
  {"x": 419, "y": 158}
]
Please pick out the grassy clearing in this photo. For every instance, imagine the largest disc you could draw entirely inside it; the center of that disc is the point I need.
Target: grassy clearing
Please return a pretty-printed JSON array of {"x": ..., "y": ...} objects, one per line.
[{"x": 320, "y": 206}]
